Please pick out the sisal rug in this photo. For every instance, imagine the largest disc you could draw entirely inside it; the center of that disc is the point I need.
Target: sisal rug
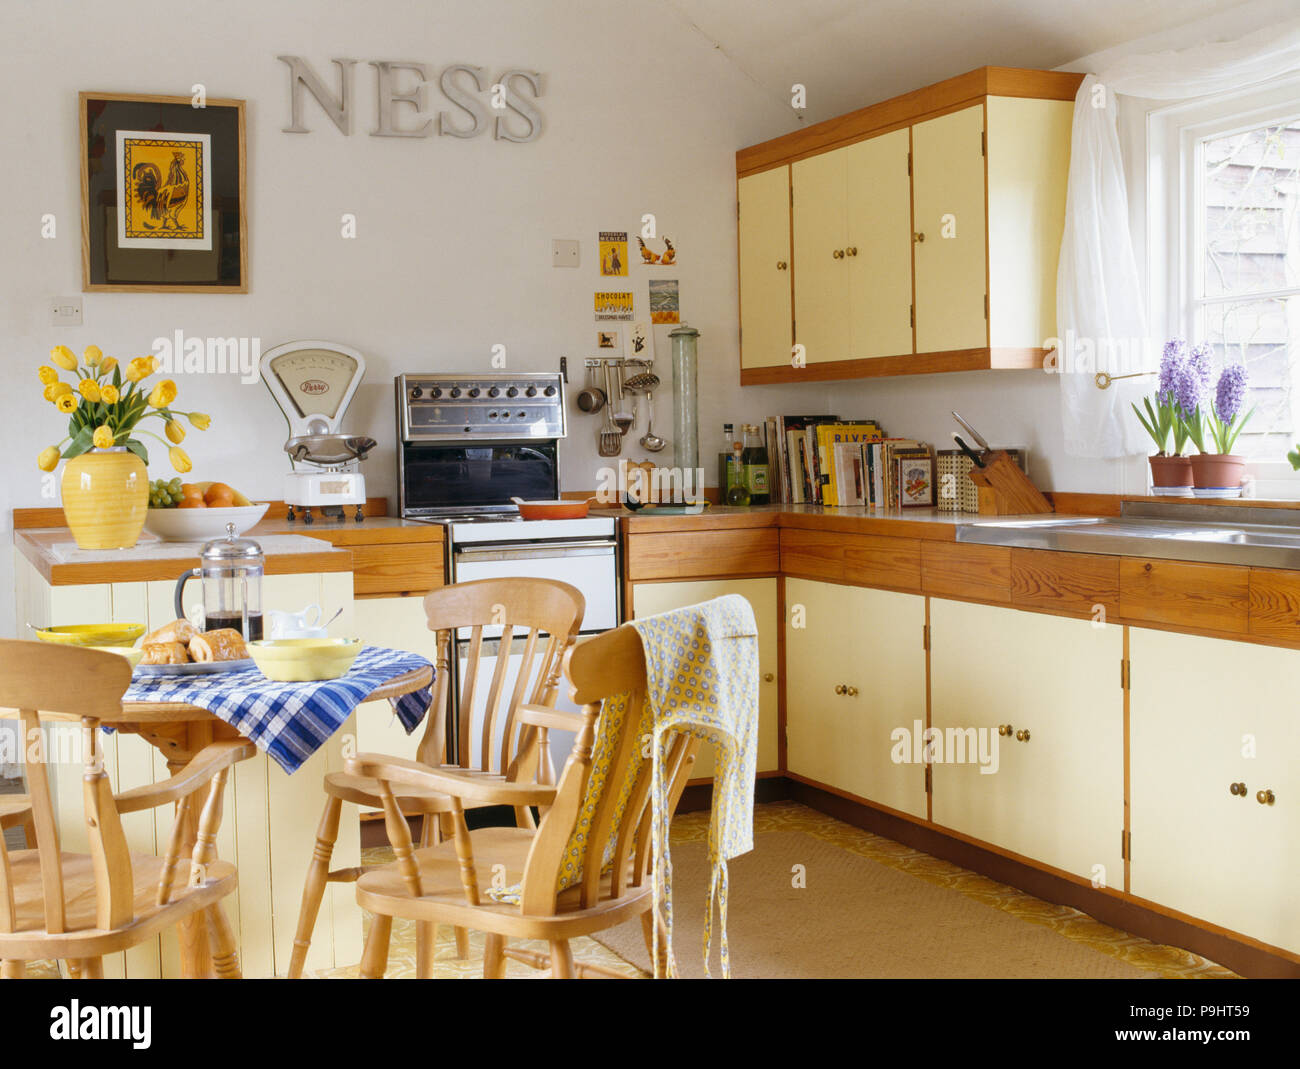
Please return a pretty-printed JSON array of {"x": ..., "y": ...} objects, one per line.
[{"x": 853, "y": 918}]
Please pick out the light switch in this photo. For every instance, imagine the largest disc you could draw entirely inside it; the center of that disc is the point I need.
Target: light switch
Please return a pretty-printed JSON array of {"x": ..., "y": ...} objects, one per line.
[
  {"x": 65, "y": 312},
  {"x": 564, "y": 253}
]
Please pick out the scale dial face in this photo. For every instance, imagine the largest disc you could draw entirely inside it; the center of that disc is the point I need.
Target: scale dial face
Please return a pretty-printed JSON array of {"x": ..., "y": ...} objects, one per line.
[{"x": 316, "y": 381}]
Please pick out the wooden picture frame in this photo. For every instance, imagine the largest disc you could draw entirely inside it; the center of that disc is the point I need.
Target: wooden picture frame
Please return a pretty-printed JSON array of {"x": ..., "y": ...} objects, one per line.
[{"x": 148, "y": 229}]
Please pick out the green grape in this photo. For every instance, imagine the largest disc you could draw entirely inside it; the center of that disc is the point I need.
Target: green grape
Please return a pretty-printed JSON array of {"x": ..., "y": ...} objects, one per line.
[{"x": 174, "y": 486}]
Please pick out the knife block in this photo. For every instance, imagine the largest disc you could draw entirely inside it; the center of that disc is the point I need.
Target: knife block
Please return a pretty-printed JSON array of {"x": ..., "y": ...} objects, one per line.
[{"x": 1005, "y": 490}]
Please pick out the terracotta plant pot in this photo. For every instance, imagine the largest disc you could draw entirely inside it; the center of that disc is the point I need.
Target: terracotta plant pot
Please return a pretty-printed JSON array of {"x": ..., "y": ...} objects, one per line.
[
  {"x": 1170, "y": 472},
  {"x": 106, "y": 498},
  {"x": 1212, "y": 470}
]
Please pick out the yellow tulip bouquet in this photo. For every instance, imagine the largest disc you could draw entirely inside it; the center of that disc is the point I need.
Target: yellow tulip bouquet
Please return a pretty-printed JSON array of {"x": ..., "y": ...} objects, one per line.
[{"x": 107, "y": 406}]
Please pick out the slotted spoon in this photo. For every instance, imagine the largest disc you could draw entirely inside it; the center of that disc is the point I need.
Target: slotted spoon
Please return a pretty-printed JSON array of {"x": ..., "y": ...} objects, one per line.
[{"x": 611, "y": 438}]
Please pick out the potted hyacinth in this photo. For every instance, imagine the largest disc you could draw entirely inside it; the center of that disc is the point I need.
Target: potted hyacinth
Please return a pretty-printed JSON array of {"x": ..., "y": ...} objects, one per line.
[
  {"x": 1171, "y": 470},
  {"x": 1220, "y": 468}
]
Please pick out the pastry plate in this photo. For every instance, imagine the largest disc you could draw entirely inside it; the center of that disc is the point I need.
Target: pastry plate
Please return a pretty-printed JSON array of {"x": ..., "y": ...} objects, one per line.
[{"x": 194, "y": 668}]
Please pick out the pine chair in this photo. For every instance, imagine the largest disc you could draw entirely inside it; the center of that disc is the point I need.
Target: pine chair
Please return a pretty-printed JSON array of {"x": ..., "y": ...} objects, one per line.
[
  {"x": 79, "y": 907},
  {"x": 450, "y": 883},
  {"x": 16, "y": 812},
  {"x": 546, "y": 615}
]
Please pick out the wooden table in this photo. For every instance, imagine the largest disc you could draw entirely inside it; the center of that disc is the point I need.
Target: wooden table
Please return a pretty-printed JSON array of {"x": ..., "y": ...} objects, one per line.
[{"x": 179, "y": 731}]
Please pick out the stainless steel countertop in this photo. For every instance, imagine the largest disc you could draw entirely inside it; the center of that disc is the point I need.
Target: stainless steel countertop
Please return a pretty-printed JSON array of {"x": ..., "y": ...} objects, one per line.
[{"x": 1240, "y": 535}]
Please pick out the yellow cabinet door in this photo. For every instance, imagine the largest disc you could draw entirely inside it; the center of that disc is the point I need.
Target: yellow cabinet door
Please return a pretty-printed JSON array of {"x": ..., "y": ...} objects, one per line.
[
  {"x": 1057, "y": 796},
  {"x": 821, "y": 286},
  {"x": 765, "y": 318},
  {"x": 949, "y": 248},
  {"x": 855, "y": 675},
  {"x": 1205, "y": 714},
  {"x": 878, "y": 246},
  {"x": 651, "y": 598}
]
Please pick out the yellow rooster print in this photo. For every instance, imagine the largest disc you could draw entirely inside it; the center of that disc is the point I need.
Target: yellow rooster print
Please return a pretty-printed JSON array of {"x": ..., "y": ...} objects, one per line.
[{"x": 162, "y": 200}]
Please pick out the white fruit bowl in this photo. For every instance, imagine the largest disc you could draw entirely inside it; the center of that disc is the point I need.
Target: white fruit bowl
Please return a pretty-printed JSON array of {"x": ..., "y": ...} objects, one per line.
[{"x": 199, "y": 525}]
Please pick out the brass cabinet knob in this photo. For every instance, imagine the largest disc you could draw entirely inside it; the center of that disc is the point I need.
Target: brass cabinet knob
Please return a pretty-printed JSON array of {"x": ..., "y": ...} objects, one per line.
[
  {"x": 852, "y": 692},
  {"x": 768, "y": 677},
  {"x": 840, "y": 688},
  {"x": 852, "y": 250},
  {"x": 1265, "y": 797},
  {"x": 918, "y": 238},
  {"x": 1023, "y": 734},
  {"x": 781, "y": 265},
  {"x": 1004, "y": 729},
  {"x": 838, "y": 254},
  {"x": 1237, "y": 788}
]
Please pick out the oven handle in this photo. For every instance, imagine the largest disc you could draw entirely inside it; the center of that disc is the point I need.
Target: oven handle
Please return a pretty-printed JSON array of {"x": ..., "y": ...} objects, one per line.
[{"x": 547, "y": 549}]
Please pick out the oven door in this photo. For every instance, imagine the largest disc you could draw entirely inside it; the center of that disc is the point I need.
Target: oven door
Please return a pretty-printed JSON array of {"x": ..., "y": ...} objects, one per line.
[
  {"x": 440, "y": 477},
  {"x": 590, "y": 566}
]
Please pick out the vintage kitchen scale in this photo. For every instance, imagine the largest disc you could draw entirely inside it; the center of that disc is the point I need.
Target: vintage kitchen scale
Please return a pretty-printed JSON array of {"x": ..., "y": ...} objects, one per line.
[{"x": 313, "y": 382}]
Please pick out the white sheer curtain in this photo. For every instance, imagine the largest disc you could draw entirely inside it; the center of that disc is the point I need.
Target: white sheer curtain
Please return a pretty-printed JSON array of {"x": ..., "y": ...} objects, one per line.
[{"x": 1099, "y": 308}]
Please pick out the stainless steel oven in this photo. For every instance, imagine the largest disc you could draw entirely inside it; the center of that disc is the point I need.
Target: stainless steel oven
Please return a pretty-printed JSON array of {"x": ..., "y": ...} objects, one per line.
[{"x": 470, "y": 443}]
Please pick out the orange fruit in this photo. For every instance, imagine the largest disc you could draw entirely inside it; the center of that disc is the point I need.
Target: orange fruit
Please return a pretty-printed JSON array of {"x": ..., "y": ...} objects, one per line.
[
  {"x": 219, "y": 492},
  {"x": 191, "y": 491},
  {"x": 191, "y": 503}
]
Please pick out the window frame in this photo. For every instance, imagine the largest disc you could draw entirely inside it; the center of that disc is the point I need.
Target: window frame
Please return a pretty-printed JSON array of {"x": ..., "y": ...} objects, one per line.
[{"x": 1174, "y": 229}]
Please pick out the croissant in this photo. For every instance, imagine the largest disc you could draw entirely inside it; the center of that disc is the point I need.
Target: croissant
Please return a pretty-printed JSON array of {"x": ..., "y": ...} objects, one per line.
[
  {"x": 164, "y": 653},
  {"x": 223, "y": 644},
  {"x": 181, "y": 631}
]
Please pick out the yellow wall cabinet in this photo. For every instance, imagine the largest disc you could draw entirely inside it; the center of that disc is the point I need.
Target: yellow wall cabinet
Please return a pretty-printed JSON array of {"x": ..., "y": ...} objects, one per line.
[
  {"x": 1207, "y": 716},
  {"x": 855, "y": 672},
  {"x": 651, "y": 598},
  {"x": 1057, "y": 794},
  {"x": 925, "y": 232},
  {"x": 764, "y": 261}
]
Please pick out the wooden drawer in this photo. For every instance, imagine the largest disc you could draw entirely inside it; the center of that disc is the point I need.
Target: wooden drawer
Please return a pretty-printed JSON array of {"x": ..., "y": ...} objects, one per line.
[
  {"x": 1211, "y": 596},
  {"x": 752, "y": 551},
  {"x": 865, "y": 560},
  {"x": 396, "y": 568},
  {"x": 1066, "y": 582},
  {"x": 966, "y": 571},
  {"x": 1275, "y": 604}
]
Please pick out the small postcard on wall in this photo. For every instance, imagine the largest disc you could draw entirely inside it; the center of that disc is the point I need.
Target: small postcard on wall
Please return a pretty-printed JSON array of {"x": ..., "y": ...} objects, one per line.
[
  {"x": 609, "y": 342},
  {"x": 613, "y": 252},
  {"x": 664, "y": 305},
  {"x": 613, "y": 304},
  {"x": 641, "y": 342}
]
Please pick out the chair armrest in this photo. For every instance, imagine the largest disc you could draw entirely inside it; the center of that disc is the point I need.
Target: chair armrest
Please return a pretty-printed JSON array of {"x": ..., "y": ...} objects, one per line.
[
  {"x": 459, "y": 784},
  {"x": 543, "y": 716},
  {"x": 202, "y": 767}
]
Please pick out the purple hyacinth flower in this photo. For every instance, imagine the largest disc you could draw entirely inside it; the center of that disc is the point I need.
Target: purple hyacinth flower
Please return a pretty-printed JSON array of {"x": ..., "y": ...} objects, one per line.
[
  {"x": 1175, "y": 354},
  {"x": 1201, "y": 360},
  {"x": 1187, "y": 388},
  {"x": 1230, "y": 393}
]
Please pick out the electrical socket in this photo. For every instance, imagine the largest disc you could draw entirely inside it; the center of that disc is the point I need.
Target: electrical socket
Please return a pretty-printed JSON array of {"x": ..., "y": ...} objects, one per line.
[
  {"x": 564, "y": 253},
  {"x": 65, "y": 312}
]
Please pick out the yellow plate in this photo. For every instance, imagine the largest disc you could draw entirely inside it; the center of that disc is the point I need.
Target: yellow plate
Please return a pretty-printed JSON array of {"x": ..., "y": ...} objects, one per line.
[
  {"x": 91, "y": 634},
  {"x": 304, "y": 660},
  {"x": 134, "y": 654}
]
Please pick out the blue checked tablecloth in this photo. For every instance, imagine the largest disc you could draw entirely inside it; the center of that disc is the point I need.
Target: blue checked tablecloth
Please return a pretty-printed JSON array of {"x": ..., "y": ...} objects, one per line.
[{"x": 290, "y": 721}]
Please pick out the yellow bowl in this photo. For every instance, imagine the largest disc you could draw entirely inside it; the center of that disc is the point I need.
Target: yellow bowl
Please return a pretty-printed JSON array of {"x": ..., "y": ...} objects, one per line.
[
  {"x": 134, "y": 654},
  {"x": 304, "y": 660},
  {"x": 91, "y": 634}
]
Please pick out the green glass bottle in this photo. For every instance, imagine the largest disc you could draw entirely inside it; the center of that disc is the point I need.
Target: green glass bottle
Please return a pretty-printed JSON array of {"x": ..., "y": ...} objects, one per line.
[
  {"x": 737, "y": 492},
  {"x": 755, "y": 466}
]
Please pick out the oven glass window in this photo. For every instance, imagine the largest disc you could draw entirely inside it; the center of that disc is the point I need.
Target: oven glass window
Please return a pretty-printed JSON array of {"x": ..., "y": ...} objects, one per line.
[{"x": 439, "y": 476}]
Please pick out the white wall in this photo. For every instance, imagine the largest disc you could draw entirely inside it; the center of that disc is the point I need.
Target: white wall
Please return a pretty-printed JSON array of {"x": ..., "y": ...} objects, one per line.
[{"x": 453, "y": 247}]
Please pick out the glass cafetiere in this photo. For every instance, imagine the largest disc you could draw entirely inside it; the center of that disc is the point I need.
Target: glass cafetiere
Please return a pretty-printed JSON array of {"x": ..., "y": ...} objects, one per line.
[{"x": 231, "y": 569}]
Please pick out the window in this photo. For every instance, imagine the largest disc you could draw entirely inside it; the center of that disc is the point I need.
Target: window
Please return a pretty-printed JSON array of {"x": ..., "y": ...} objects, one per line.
[{"x": 1223, "y": 250}]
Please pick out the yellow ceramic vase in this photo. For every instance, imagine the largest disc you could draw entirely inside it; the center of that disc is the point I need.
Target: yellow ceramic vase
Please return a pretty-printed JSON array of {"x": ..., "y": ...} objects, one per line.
[{"x": 105, "y": 498}]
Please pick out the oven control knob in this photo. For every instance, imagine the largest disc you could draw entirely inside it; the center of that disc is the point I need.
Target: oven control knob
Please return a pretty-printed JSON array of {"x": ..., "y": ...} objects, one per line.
[
  {"x": 473, "y": 391},
  {"x": 494, "y": 391},
  {"x": 550, "y": 391},
  {"x": 417, "y": 392},
  {"x": 513, "y": 391},
  {"x": 492, "y": 414},
  {"x": 531, "y": 391},
  {"x": 523, "y": 415},
  {"x": 436, "y": 392},
  {"x": 455, "y": 391}
]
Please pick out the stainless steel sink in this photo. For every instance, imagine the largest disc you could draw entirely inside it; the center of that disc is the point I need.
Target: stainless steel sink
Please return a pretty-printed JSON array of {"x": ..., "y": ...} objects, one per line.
[{"x": 1151, "y": 529}]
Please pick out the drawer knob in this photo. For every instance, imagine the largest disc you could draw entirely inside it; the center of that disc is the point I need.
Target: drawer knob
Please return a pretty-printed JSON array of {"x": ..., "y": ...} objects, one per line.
[
  {"x": 840, "y": 688},
  {"x": 768, "y": 677},
  {"x": 781, "y": 265},
  {"x": 1265, "y": 797},
  {"x": 838, "y": 254},
  {"x": 1237, "y": 788},
  {"x": 852, "y": 692},
  {"x": 852, "y": 250},
  {"x": 1023, "y": 734},
  {"x": 1005, "y": 729},
  {"x": 918, "y": 238}
]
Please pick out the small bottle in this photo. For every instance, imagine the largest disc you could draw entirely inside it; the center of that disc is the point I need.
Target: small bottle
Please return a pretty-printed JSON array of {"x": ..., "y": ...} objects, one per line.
[
  {"x": 755, "y": 466},
  {"x": 737, "y": 494},
  {"x": 724, "y": 460}
]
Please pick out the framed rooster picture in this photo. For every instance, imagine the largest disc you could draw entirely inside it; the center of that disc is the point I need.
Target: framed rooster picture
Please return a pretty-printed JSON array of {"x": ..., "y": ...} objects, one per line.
[{"x": 162, "y": 183}]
